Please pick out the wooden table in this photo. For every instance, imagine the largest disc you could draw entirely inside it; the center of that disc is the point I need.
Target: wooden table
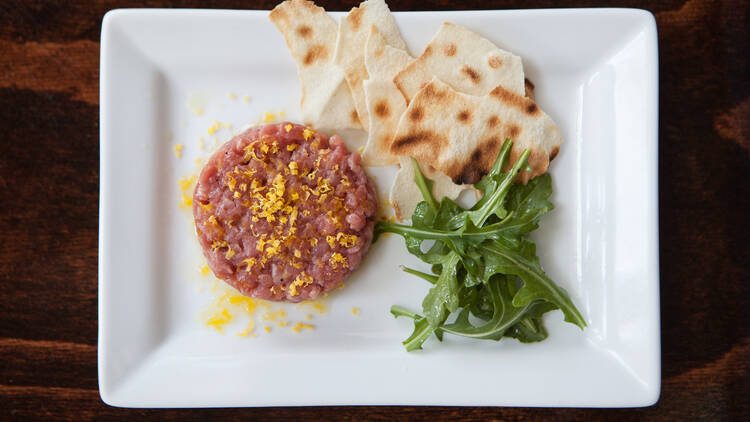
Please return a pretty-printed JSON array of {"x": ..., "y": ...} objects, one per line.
[{"x": 49, "y": 161}]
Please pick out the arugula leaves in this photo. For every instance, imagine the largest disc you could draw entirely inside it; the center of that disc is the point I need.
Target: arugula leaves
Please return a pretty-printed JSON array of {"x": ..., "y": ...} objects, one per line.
[{"x": 484, "y": 266}]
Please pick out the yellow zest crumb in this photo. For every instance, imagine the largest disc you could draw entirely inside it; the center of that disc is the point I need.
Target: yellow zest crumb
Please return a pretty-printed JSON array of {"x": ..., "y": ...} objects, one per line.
[
  {"x": 282, "y": 324},
  {"x": 355, "y": 311},
  {"x": 178, "y": 150},
  {"x": 307, "y": 134},
  {"x": 302, "y": 280},
  {"x": 267, "y": 329},
  {"x": 198, "y": 161},
  {"x": 246, "y": 99},
  {"x": 249, "y": 262},
  {"x": 336, "y": 259},
  {"x": 319, "y": 307},
  {"x": 273, "y": 316},
  {"x": 219, "y": 320},
  {"x": 186, "y": 201},
  {"x": 267, "y": 117},
  {"x": 291, "y": 147},
  {"x": 199, "y": 111},
  {"x": 214, "y": 127},
  {"x": 229, "y": 254},
  {"x": 232, "y": 96},
  {"x": 206, "y": 207},
  {"x": 287, "y": 128},
  {"x": 200, "y": 143},
  {"x": 219, "y": 244},
  {"x": 205, "y": 270},
  {"x": 248, "y": 330},
  {"x": 231, "y": 182},
  {"x": 250, "y": 303},
  {"x": 186, "y": 183},
  {"x": 300, "y": 325},
  {"x": 346, "y": 240},
  {"x": 308, "y": 317}
]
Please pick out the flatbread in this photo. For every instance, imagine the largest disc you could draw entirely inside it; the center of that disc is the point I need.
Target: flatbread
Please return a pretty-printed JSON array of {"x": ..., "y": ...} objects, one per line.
[
  {"x": 465, "y": 61},
  {"x": 350, "y": 46},
  {"x": 310, "y": 35},
  {"x": 386, "y": 104},
  {"x": 384, "y": 101},
  {"x": 405, "y": 194},
  {"x": 461, "y": 135}
]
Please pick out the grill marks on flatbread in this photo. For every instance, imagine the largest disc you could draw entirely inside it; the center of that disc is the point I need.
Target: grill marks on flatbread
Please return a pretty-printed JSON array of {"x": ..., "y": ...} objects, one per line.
[
  {"x": 310, "y": 36},
  {"x": 353, "y": 33},
  {"x": 465, "y": 61},
  {"x": 460, "y": 135},
  {"x": 384, "y": 101}
]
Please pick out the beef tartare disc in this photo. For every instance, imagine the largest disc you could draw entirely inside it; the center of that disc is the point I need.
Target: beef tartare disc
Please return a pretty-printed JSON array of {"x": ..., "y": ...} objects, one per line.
[{"x": 284, "y": 213}]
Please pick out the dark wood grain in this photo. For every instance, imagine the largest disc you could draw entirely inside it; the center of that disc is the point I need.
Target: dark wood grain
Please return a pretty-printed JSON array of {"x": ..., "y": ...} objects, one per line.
[{"x": 49, "y": 63}]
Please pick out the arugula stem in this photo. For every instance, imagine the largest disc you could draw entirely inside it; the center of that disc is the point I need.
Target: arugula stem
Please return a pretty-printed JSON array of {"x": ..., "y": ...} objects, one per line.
[
  {"x": 499, "y": 322},
  {"x": 423, "y": 186},
  {"x": 421, "y": 333},
  {"x": 398, "y": 311},
  {"x": 432, "y": 279},
  {"x": 435, "y": 234},
  {"x": 501, "y": 156},
  {"x": 479, "y": 216}
]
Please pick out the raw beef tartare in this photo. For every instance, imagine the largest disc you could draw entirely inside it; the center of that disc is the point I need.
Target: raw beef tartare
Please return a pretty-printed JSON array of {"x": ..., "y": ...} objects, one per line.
[{"x": 284, "y": 213}]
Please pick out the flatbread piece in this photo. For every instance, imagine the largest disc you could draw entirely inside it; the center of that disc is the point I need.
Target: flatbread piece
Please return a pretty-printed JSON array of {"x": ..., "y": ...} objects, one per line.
[
  {"x": 310, "y": 35},
  {"x": 465, "y": 61},
  {"x": 385, "y": 103},
  {"x": 350, "y": 46},
  {"x": 460, "y": 135}
]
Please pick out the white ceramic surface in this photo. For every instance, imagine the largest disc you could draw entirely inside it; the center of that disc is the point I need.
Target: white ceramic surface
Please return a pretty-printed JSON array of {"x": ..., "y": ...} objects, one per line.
[{"x": 595, "y": 72}]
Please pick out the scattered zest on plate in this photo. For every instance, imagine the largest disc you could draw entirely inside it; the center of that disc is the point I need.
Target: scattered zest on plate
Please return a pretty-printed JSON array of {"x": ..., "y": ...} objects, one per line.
[{"x": 483, "y": 263}]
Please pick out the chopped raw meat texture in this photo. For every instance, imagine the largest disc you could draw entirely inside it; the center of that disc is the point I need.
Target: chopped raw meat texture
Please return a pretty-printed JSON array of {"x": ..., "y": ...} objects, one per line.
[{"x": 284, "y": 213}]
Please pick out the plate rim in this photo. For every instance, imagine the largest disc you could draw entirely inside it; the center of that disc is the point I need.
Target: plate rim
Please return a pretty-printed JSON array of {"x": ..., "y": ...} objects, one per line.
[{"x": 105, "y": 201}]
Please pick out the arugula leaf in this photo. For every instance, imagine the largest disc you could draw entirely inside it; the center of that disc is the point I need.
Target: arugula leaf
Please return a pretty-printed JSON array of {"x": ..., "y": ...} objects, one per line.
[
  {"x": 529, "y": 203},
  {"x": 443, "y": 296},
  {"x": 422, "y": 329},
  {"x": 504, "y": 315},
  {"x": 525, "y": 264},
  {"x": 483, "y": 263},
  {"x": 493, "y": 204}
]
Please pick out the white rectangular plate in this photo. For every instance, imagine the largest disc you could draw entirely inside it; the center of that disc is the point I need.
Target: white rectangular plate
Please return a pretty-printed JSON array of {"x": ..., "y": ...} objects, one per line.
[{"x": 595, "y": 72}]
